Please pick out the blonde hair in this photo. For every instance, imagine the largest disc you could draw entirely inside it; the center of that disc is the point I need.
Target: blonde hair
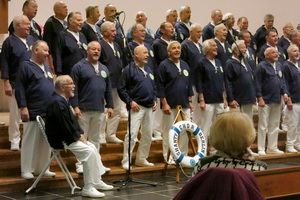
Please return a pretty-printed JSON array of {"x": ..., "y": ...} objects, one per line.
[{"x": 232, "y": 133}]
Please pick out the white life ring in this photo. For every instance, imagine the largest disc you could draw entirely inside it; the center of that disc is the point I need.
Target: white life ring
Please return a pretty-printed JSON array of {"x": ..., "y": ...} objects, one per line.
[{"x": 174, "y": 132}]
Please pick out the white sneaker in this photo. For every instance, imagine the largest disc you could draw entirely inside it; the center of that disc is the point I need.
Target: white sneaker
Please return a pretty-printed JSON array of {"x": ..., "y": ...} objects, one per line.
[
  {"x": 290, "y": 149},
  {"x": 15, "y": 146},
  {"x": 27, "y": 175},
  {"x": 92, "y": 192},
  {"x": 49, "y": 173},
  {"x": 114, "y": 140},
  {"x": 171, "y": 161},
  {"x": 103, "y": 186},
  {"x": 274, "y": 151},
  {"x": 143, "y": 163},
  {"x": 157, "y": 138},
  {"x": 125, "y": 166},
  {"x": 106, "y": 169},
  {"x": 262, "y": 153}
]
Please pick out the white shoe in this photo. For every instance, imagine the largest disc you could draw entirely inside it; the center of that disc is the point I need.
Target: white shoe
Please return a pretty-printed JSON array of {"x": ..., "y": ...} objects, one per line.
[
  {"x": 262, "y": 153},
  {"x": 103, "y": 186},
  {"x": 143, "y": 163},
  {"x": 14, "y": 146},
  {"x": 114, "y": 140},
  {"x": 274, "y": 151},
  {"x": 49, "y": 173},
  {"x": 92, "y": 192},
  {"x": 157, "y": 138},
  {"x": 290, "y": 149},
  {"x": 171, "y": 161},
  {"x": 125, "y": 166},
  {"x": 106, "y": 169},
  {"x": 27, "y": 175}
]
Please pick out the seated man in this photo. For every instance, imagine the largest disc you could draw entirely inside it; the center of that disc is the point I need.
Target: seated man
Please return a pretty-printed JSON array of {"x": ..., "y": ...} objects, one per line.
[{"x": 63, "y": 131}]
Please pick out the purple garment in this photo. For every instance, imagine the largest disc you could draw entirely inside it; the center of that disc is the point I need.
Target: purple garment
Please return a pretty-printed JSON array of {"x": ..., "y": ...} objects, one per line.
[{"x": 221, "y": 183}]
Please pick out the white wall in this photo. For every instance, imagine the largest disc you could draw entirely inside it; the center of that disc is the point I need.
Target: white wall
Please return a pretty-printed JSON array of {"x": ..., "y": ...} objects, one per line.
[{"x": 155, "y": 9}]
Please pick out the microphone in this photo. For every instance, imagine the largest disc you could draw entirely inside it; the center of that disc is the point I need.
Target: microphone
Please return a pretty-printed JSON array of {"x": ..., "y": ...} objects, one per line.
[
  {"x": 222, "y": 21},
  {"x": 116, "y": 14}
]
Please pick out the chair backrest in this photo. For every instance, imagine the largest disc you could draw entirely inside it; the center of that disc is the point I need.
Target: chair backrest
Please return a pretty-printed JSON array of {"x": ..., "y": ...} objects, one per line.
[{"x": 41, "y": 125}]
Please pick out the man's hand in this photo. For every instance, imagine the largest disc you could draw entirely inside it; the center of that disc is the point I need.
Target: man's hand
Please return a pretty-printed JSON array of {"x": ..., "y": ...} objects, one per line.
[
  {"x": 202, "y": 105},
  {"x": 24, "y": 114},
  {"x": 77, "y": 112},
  {"x": 134, "y": 106},
  {"x": 261, "y": 102},
  {"x": 289, "y": 104},
  {"x": 110, "y": 113},
  {"x": 154, "y": 106},
  {"x": 82, "y": 139},
  {"x": 7, "y": 88},
  {"x": 233, "y": 104}
]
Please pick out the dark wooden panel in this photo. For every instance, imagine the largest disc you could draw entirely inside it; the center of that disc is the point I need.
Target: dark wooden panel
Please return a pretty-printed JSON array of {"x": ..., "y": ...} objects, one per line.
[{"x": 3, "y": 16}]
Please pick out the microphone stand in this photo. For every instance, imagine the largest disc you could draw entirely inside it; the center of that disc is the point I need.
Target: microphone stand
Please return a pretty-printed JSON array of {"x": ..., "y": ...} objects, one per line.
[{"x": 128, "y": 179}]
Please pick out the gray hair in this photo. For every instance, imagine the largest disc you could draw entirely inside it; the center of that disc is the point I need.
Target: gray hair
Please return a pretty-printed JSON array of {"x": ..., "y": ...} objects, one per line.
[
  {"x": 170, "y": 11},
  {"x": 268, "y": 16},
  {"x": 293, "y": 33},
  {"x": 236, "y": 44},
  {"x": 182, "y": 8},
  {"x": 18, "y": 20},
  {"x": 195, "y": 25},
  {"x": 206, "y": 45},
  {"x": 289, "y": 49},
  {"x": 218, "y": 27},
  {"x": 172, "y": 42},
  {"x": 105, "y": 26},
  {"x": 60, "y": 80},
  {"x": 226, "y": 16}
]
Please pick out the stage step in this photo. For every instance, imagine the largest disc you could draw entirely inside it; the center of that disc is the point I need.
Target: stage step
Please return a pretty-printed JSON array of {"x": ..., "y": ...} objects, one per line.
[{"x": 111, "y": 154}]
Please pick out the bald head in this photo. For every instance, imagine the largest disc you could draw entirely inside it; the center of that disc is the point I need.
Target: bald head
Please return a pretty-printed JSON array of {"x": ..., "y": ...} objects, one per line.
[
  {"x": 61, "y": 10},
  {"x": 141, "y": 55}
]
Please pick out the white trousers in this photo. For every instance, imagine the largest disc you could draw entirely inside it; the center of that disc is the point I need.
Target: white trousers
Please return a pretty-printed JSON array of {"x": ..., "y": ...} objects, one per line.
[
  {"x": 208, "y": 115},
  {"x": 36, "y": 151},
  {"x": 144, "y": 119},
  {"x": 157, "y": 123},
  {"x": 88, "y": 155},
  {"x": 14, "y": 120},
  {"x": 268, "y": 122},
  {"x": 112, "y": 123},
  {"x": 294, "y": 126},
  {"x": 91, "y": 122},
  {"x": 247, "y": 109},
  {"x": 168, "y": 121}
]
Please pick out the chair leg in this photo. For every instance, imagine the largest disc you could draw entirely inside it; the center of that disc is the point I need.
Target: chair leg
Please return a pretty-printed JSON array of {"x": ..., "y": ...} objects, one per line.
[
  {"x": 41, "y": 174},
  {"x": 67, "y": 174}
]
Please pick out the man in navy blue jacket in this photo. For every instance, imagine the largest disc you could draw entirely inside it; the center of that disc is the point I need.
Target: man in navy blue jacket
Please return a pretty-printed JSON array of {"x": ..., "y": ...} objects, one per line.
[
  {"x": 174, "y": 88},
  {"x": 292, "y": 76},
  {"x": 184, "y": 24},
  {"x": 63, "y": 131},
  {"x": 34, "y": 88},
  {"x": 239, "y": 80},
  {"x": 270, "y": 86},
  {"x": 71, "y": 45},
  {"x": 138, "y": 91},
  {"x": 92, "y": 91},
  {"x": 15, "y": 49}
]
